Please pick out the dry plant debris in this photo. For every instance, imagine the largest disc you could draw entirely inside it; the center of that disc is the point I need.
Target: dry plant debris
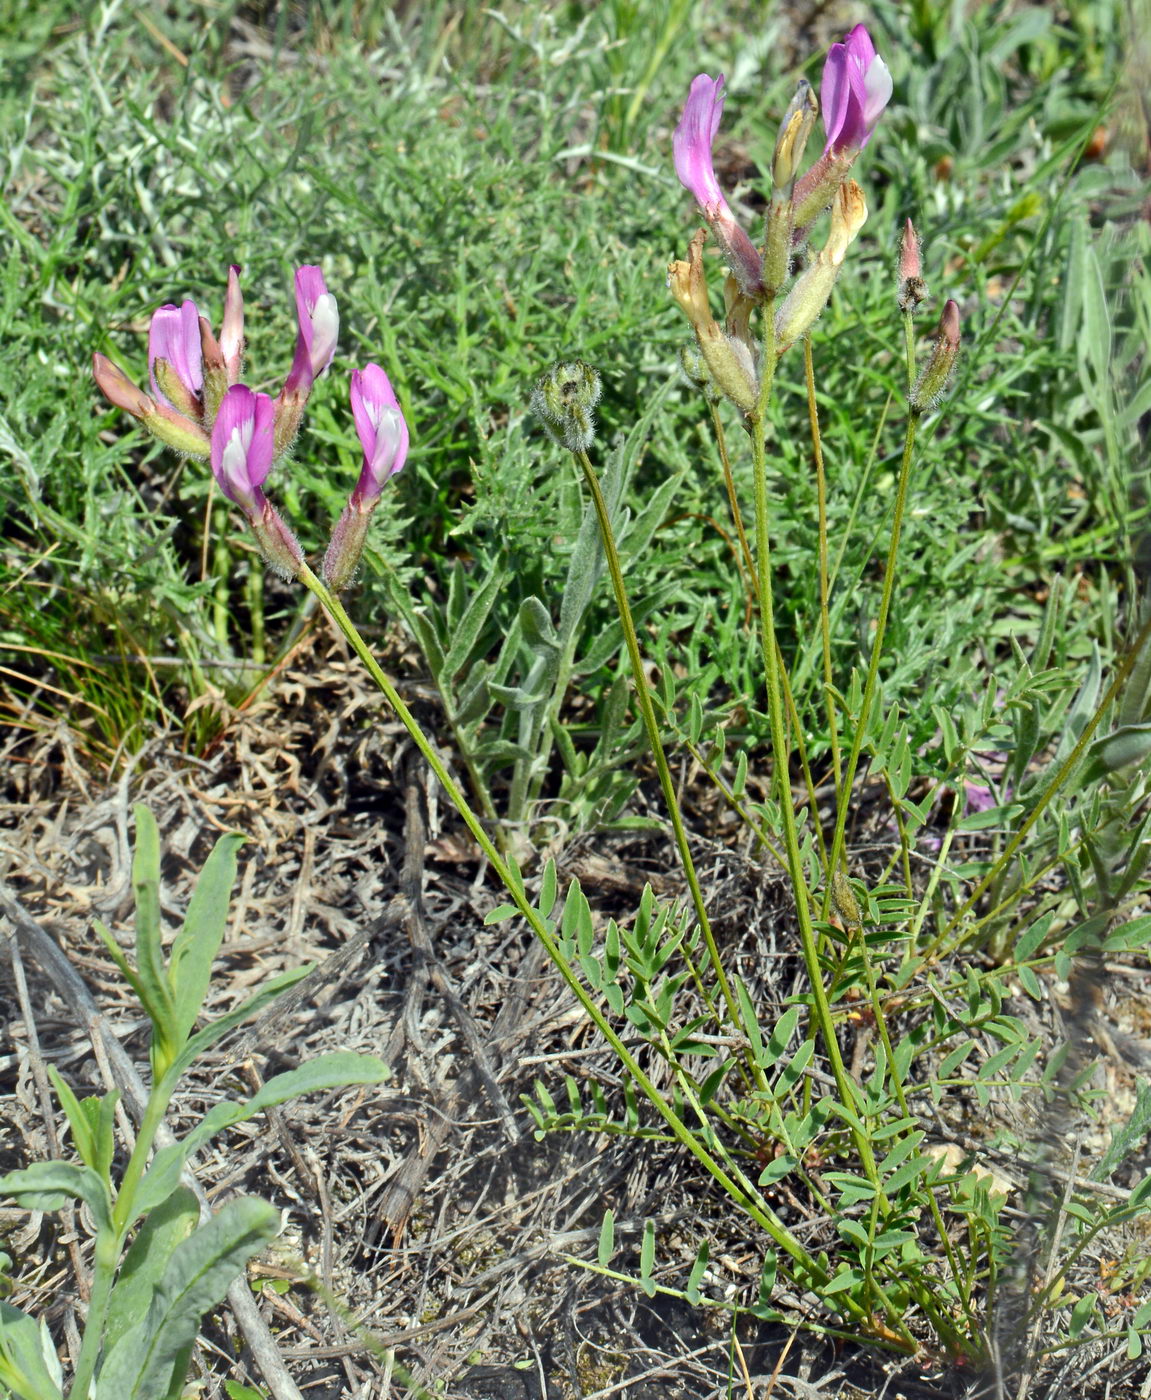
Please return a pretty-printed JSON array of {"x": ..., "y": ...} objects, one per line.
[{"x": 424, "y": 1225}]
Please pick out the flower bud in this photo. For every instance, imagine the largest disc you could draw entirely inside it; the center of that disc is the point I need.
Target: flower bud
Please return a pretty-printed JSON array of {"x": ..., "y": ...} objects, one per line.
[
  {"x": 564, "y": 401},
  {"x": 912, "y": 287},
  {"x": 932, "y": 381},
  {"x": 383, "y": 435},
  {"x": 806, "y": 300},
  {"x": 696, "y": 372},
  {"x": 844, "y": 902},
  {"x": 223, "y": 358},
  {"x": 798, "y": 121},
  {"x": 163, "y": 422},
  {"x": 232, "y": 328},
  {"x": 796, "y": 127},
  {"x": 119, "y": 390}
]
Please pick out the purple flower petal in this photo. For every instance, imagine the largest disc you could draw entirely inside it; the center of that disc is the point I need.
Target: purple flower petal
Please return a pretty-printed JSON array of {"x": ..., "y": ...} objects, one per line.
[
  {"x": 174, "y": 336},
  {"x": 855, "y": 88},
  {"x": 691, "y": 147},
  {"x": 381, "y": 428},
  {"x": 318, "y": 317},
  {"x": 242, "y": 446},
  {"x": 693, "y": 140}
]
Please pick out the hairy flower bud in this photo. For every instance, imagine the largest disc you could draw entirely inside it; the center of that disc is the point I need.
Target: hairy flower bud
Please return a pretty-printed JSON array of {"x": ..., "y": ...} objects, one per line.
[
  {"x": 937, "y": 371},
  {"x": 223, "y": 358},
  {"x": 796, "y": 127},
  {"x": 696, "y": 372},
  {"x": 564, "y": 401},
  {"x": 172, "y": 428},
  {"x": 912, "y": 287}
]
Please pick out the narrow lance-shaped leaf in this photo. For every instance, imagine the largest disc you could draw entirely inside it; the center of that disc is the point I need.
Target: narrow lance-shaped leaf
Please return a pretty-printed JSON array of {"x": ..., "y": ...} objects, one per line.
[
  {"x": 335, "y": 1071},
  {"x": 212, "y": 1032},
  {"x": 143, "y": 1365},
  {"x": 196, "y": 945},
  {"x": 91, "y": 1121},
  {"x": 166, "y": 1226},
  {"x": 28, "y": 1364},
  {"x": 48, "y": 1185},
  {"x": 606, "y": 1247},
  {"x": 149, "y": 951}
]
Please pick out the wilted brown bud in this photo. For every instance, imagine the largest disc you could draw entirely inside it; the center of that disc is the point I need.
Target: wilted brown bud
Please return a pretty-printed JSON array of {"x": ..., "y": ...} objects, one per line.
[
  {"x": 808, "y": 297},
  {"x": 796, "y": 127},
  {"x": 728, "y": 361}
]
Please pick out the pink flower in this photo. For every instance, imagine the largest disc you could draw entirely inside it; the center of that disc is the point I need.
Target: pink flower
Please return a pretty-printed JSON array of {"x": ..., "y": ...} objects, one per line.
[
  {"x": 175, "y": 363},
  {"x": 319, "y": 329},
  {"x": 243, "y": 447},
  {"x": 187, "y": 369},
  {"x": 855, "y": 89},
  {"x": 223, "y": 358},
  {"x": 691, "y": 147},
  {"x": 384, "y": 438},
  {"x": 383, "y": 432}
]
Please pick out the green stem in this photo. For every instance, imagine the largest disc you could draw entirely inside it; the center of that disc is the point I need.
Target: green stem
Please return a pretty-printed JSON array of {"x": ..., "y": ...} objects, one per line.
[
  {"x": 110, "y": 1242},
  {"x": 105, "y": 1261},
  {"x": 255, "y": 599},
  {"x": 733, "y": 501},
  {"x": 737, "y": 517},
  {"x": 801, "y": 753},
  {"x": 655, "y": 743},
  {"x": 824, "y": 564},
  {"x": 741, "y": 1192},
  {"x": 222, "y": 568},
  {"x": 782, "y": 757},
  {"x": 843, "y": 803}
]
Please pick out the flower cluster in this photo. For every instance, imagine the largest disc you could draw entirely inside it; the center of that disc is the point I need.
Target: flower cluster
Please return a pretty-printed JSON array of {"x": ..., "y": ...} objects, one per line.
[
  {"x": 854, "y": 90},
  {"x": 199, "y": 407}
]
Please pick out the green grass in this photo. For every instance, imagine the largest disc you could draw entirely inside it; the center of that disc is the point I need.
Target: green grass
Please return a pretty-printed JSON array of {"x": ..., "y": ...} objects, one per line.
[{"x": 488, "y": 194}]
